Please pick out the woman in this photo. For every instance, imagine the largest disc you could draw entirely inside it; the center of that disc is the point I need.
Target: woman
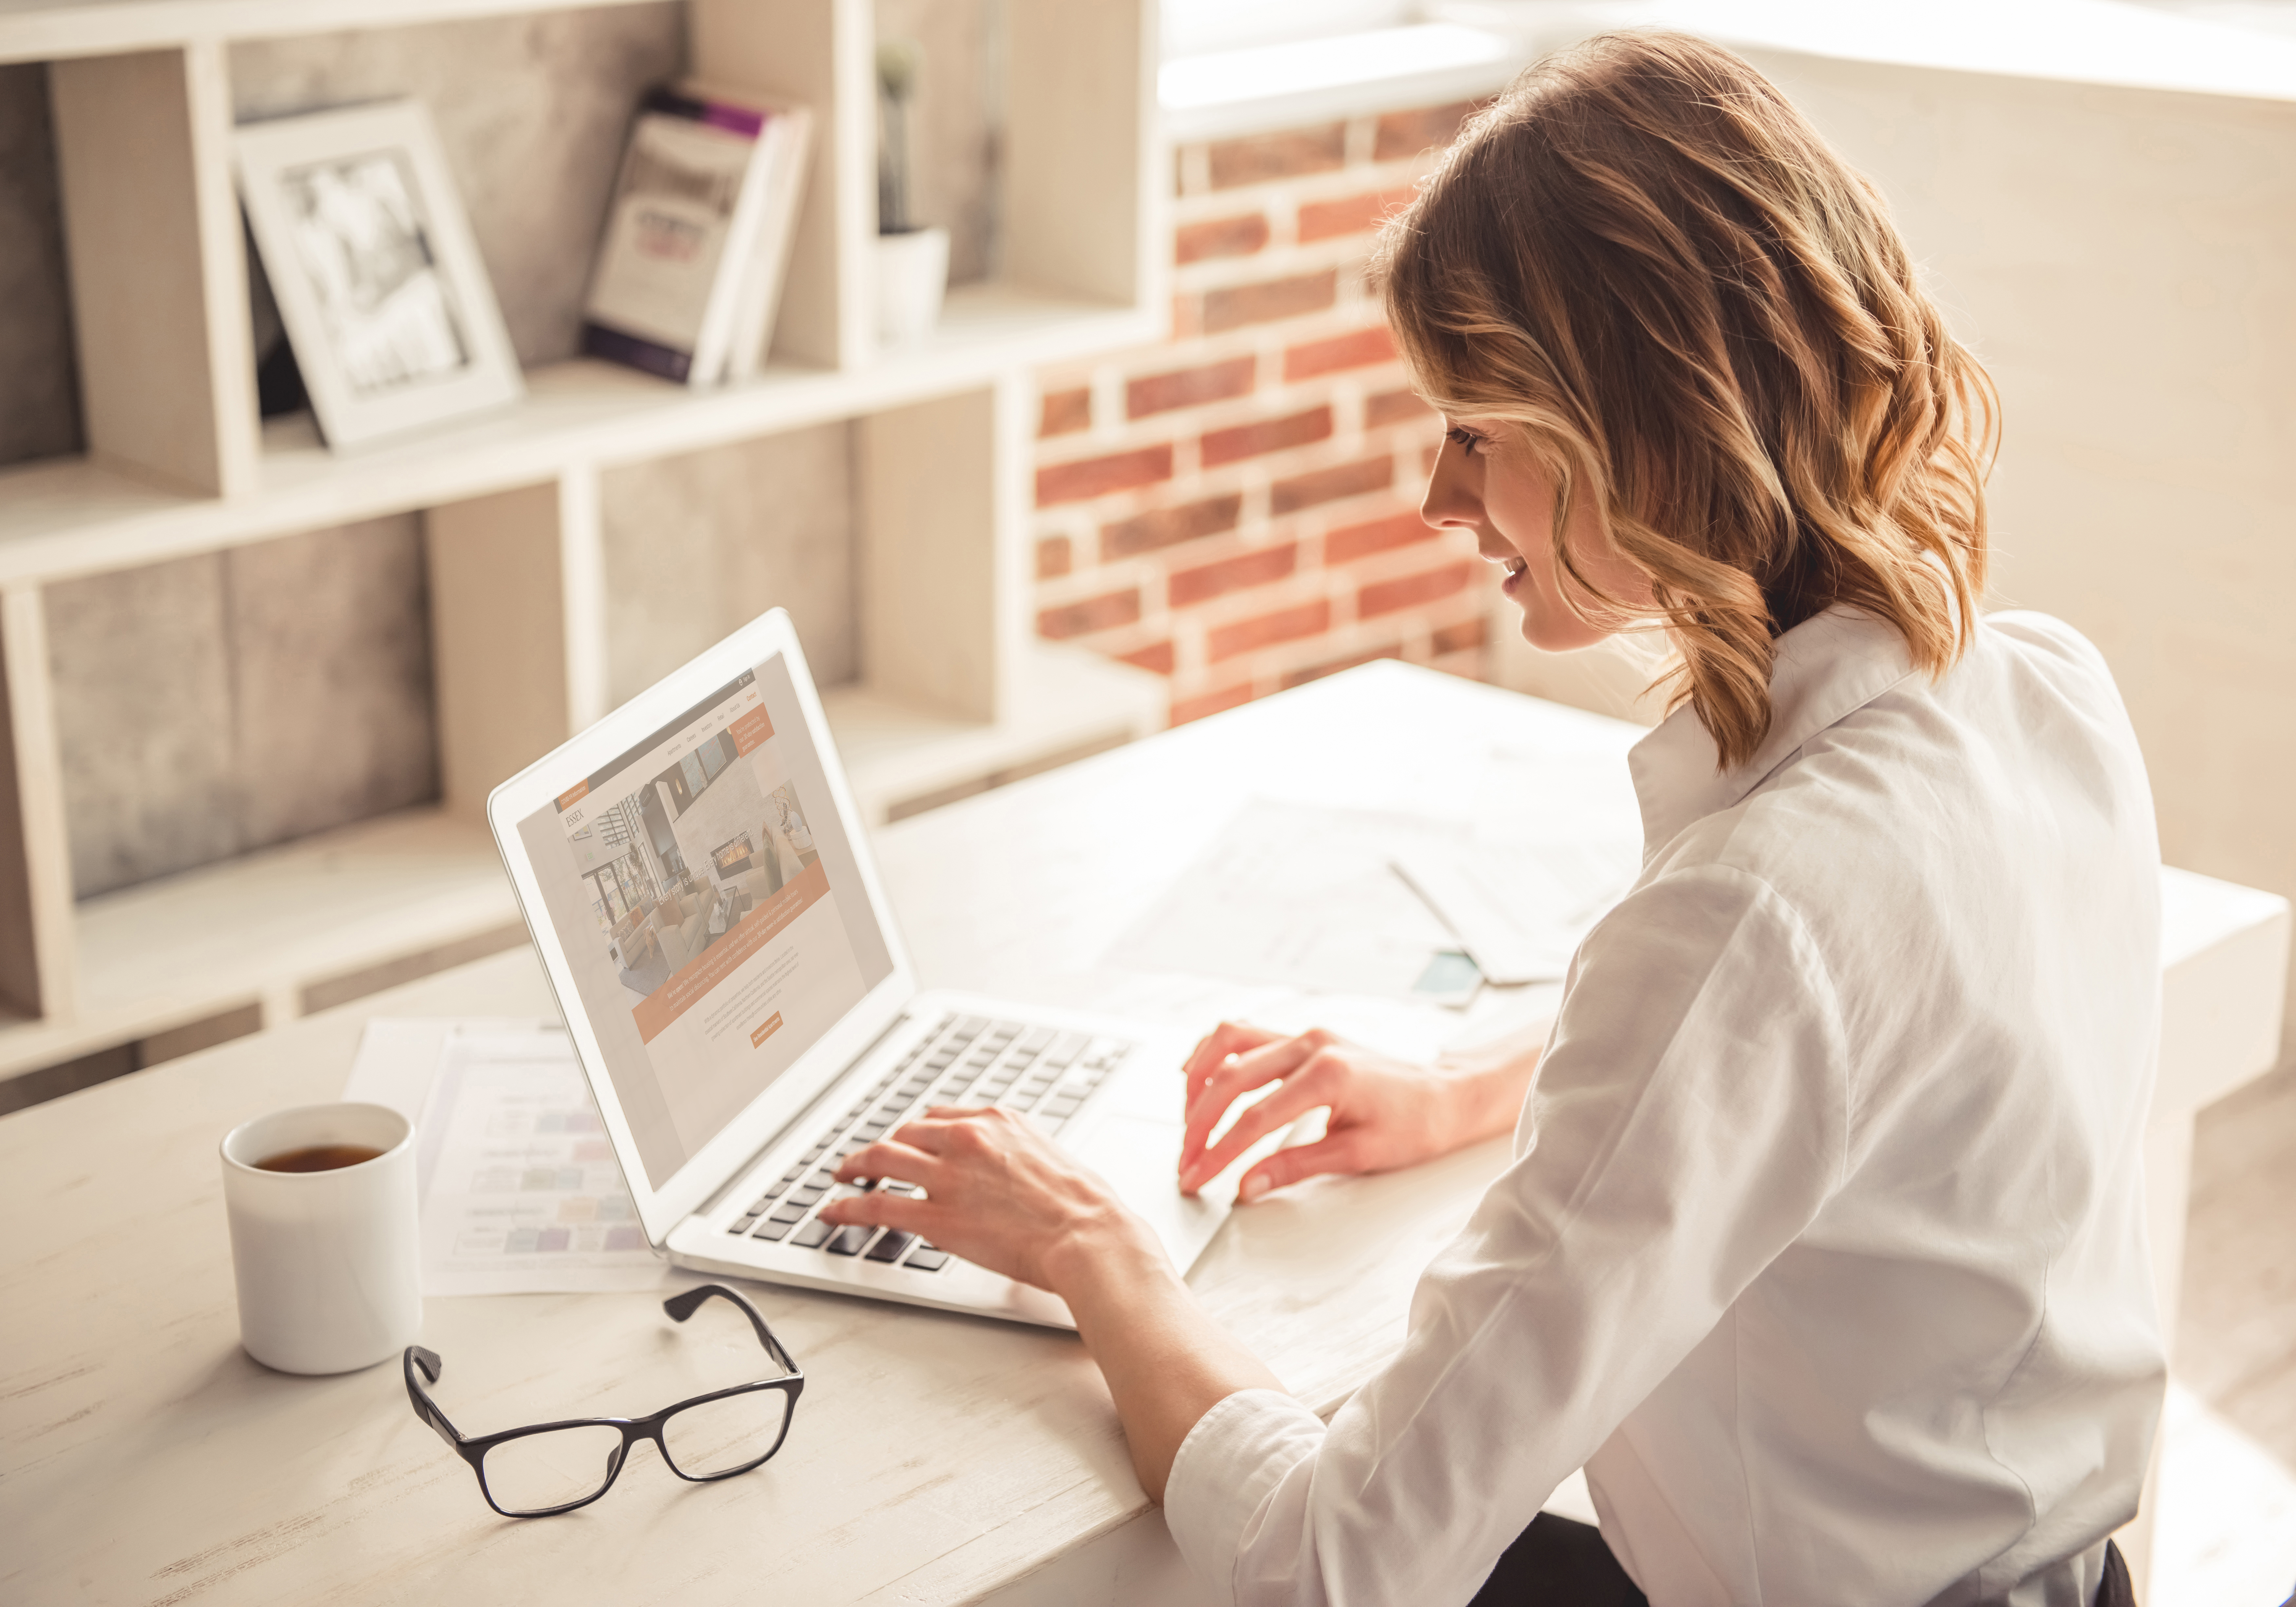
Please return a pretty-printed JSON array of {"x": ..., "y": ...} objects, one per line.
[{"x": 1821, "y": 1248}]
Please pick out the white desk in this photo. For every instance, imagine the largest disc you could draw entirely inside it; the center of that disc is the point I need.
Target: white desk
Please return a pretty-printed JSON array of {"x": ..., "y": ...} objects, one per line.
[{"x": 144, "y": 1458}]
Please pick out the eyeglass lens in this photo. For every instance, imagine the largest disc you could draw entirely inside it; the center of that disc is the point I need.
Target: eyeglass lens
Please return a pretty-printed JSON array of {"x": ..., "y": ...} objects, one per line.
[
  {"x": 535, "y": 1473},
  {"x": 725, "y": 1436}
]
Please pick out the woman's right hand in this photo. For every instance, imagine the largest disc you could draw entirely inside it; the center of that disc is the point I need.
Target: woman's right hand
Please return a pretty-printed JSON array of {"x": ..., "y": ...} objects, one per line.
[{"x": 1385, "y": 1113}]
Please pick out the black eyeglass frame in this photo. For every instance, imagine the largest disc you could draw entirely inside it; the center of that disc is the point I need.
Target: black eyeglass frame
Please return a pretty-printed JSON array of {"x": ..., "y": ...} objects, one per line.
[{"x": 421, "y": 1365}]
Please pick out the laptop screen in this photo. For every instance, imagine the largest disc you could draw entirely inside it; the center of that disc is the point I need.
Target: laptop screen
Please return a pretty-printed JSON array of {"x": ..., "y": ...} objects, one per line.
[{"x": 711, "y": 908}]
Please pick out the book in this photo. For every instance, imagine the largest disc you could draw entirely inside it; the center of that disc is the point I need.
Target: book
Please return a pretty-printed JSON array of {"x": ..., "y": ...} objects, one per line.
[
  {"x": 789, "y": 150},
  {"x": 689, "y": 272}
]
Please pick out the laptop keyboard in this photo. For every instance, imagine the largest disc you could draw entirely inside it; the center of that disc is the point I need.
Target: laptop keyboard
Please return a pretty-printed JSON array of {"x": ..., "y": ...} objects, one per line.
[{"x": 966, "y": 1060}]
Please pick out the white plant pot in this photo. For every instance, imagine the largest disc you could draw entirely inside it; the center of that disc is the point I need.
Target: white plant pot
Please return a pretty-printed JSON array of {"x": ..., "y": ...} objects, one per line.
[{"x": 912, "y": 273}]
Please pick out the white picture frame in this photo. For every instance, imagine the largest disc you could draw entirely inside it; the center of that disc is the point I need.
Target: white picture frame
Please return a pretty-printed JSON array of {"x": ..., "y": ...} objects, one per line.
[{"x": 385, "y": 298}]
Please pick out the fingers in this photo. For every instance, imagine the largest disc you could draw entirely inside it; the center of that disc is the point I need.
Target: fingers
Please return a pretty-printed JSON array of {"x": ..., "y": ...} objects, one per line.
[
  {"x": 996, "y": 1191},
  {"x": 929, "y": 1150},
  {"x": 881, "y": 1208},
  {"x": 1244, "y": 1072},
  {"x": 893, "y": 1156},
  {"x": 1239, "y": 1076},
  {"x": 930, "y": 1133},
  {"x": 948, "y": 1114},
  {"x": 969, "y": 1134},
  {"x": 1218, "y": 1049},
  {"x": 1229, "y": 1037},
  {"x": 1341, "y": 1152},
  {"x": 1309, "y": 1086}
]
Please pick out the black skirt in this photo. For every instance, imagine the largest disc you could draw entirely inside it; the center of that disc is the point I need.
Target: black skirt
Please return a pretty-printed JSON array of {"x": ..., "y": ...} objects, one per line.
[{"x": 1560, "y": 1563}]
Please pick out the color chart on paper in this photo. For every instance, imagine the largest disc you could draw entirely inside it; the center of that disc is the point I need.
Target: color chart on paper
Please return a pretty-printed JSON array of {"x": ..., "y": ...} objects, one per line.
[{"x": 520, "y": 1192}]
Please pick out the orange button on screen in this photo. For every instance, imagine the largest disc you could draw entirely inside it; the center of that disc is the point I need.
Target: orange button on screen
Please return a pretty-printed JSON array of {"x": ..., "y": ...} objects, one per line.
[
  {"x": 766, "y": 1029},
  {"x": 751, "y": 730}
]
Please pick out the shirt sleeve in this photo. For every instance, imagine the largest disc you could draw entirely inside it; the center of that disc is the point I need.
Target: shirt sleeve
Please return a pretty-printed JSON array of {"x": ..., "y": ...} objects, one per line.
[{"x": 1687, "y": 1123}]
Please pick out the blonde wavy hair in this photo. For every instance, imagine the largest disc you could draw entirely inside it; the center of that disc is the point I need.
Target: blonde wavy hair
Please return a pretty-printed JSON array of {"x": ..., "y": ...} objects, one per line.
[{"x": 1649, "y": 265}]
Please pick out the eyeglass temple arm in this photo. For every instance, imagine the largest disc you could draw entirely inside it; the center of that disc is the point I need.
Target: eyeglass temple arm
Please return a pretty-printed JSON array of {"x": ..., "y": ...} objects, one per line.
[
  {"x": 426, "y": 1408},
  {"x": 685, "y": 1303}
]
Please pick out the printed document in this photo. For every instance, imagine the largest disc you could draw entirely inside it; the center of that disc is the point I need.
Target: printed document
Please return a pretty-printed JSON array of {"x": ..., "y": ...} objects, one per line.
[
  {"x": 1300, "y": 896},
  {"x": 519, "y": 1187},
  {"x": 1346, "y": 901}
]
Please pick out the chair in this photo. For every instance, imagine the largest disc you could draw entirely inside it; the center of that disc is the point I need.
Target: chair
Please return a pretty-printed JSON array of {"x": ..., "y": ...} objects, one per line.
[{"x": 683, "y": 943}]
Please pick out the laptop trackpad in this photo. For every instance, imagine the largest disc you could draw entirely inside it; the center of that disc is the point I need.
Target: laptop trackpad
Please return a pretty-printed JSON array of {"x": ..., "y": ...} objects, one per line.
[{"x": 1140, "y": 1157}]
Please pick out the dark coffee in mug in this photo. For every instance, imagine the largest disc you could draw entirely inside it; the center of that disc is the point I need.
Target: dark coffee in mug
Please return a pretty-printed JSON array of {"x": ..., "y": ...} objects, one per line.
[{"x": 318, "y": 1158}]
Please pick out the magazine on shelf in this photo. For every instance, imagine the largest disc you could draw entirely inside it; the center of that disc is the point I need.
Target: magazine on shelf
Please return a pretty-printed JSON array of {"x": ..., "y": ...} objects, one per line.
[{"x": 689, "y": 274}]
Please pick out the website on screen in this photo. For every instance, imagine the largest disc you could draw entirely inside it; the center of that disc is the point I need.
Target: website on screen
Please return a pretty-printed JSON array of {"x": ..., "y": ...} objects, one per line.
[{"x": 710, "y": 910}]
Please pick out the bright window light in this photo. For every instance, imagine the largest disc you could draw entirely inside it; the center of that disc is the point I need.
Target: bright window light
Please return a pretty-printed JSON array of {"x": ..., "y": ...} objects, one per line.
[
  {"x": 1264, "y": 72},
  {"x": 1201, "y": 28}
]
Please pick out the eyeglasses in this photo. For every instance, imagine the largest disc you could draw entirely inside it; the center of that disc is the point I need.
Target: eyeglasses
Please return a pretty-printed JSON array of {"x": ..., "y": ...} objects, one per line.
[{"x": 556, "y": 1467}]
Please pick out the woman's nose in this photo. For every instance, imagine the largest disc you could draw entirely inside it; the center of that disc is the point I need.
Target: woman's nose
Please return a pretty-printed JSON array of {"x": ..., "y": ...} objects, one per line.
[{"x": 1450, "y": 499}]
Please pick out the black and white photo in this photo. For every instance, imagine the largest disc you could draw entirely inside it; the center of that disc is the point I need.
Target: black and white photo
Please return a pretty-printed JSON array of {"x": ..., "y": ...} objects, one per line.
[
  {"x": 387, "y": 304},
  {"x": 361, "y": 243}
]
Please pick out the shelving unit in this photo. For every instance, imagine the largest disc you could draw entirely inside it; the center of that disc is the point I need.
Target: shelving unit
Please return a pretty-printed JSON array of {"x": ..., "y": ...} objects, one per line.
[{"x": 953, "y": 692}]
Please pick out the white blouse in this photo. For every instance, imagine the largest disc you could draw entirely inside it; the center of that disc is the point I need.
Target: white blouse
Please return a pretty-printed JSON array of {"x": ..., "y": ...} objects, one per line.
[{"x": 1822, "y": 1247}]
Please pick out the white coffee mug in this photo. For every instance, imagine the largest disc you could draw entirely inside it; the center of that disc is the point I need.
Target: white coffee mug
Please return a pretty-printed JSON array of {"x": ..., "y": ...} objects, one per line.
[{"x": 329, "y": 1271}]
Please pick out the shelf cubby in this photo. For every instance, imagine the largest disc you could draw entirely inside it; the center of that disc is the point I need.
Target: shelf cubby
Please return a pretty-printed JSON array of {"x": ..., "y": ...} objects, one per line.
[{"x": 950, "y": 692}]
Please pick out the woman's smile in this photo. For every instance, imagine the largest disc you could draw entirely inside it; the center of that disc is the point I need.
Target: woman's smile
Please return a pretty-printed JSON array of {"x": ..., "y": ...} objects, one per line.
[{"x": 1510, "y": 564}]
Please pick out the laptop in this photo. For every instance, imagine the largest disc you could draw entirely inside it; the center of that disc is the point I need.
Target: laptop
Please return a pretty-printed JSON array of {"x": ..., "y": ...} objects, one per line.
[{"x": 701, "y": 891}]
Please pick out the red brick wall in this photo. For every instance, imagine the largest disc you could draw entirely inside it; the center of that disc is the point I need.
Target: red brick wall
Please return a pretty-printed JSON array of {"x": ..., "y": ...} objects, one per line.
[{"x": 1237, "y": 509}]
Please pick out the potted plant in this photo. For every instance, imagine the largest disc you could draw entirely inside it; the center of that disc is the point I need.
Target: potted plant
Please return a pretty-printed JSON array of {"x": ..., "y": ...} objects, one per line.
[{"x": 912, "y": 262}]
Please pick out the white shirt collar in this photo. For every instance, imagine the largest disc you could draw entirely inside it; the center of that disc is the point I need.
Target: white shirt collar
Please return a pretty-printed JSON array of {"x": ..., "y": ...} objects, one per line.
[{"x": 1824, "y": 669}]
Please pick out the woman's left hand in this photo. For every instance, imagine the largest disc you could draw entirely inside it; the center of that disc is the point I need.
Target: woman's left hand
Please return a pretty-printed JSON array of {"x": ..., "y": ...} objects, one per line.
[{"x": 997, "y": 1192}]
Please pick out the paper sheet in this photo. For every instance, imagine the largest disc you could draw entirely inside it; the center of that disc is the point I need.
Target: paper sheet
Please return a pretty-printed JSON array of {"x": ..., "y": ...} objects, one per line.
[
  {"x": 1193, "y": 1004},
  {"x": 1522, "y": 909},
  {"x": 1582, "y": 800},
  {"x": 1298, "y": 897},
  {"x": 1345, "y": 901},
  {"x": 520, "y": 1189}
]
